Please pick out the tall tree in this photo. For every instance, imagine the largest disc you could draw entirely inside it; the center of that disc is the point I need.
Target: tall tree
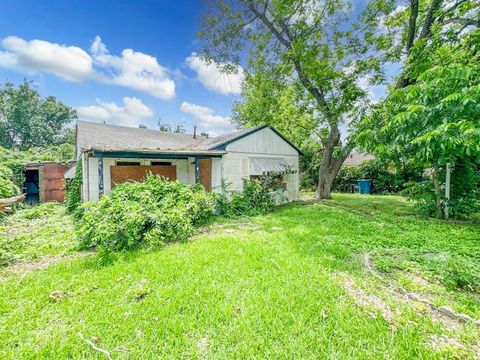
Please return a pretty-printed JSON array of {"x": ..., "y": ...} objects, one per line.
[
  {"x": 394, "y": 27},
  {"x": 28, "y": 120},
  {"x": 307, "y": 47},
  {"x": 166, "y": 127},
  {"x": 431, "y": 112}
]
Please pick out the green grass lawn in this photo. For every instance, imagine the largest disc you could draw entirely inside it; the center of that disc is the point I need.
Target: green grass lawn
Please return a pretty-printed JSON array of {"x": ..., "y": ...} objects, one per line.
[{"x": 291, "y": 284}]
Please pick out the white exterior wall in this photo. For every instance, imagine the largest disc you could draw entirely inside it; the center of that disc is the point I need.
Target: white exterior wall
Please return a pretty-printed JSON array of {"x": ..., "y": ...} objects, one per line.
[
  {"x": 184, "y": 171},
  {"x": 263, "y": 143},
  {"x": 233, "y": 167}
]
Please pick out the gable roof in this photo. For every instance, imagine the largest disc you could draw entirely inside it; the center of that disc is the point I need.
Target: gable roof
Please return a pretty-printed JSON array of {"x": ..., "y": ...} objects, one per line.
[
  {"x": 105, "y": 137},
  {"x": 220, "y": 142}
]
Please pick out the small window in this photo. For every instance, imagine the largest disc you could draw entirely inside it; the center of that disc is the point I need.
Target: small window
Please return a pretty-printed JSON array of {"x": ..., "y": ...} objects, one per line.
[
  {"x": 128, "y": 163},
  {"x": 160, "y": 163}
]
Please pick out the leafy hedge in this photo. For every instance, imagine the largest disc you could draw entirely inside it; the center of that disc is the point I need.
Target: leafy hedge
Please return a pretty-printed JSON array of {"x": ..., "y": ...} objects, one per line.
[
  {"x": 147, "y": 213},
  {"x": 385, "y": 180},
  {"x": 464, "y": 191},
  {"x": 7, "y": 186}
]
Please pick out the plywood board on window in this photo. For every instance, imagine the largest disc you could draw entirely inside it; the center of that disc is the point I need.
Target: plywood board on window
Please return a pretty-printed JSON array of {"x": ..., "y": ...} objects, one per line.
[{"x": 121, "y": 174}]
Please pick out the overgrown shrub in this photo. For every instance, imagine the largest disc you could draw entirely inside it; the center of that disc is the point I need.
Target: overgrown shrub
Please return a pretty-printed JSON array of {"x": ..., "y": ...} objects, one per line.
[
  {"x": 255, "y": 199},
  {"x": 464, "y": 191},
  {"x": 385, "y": 179},
  {"x": 7, "y": 185},
  {"x": 147, "y": 213},
  {"x": 73, "y": 197}
]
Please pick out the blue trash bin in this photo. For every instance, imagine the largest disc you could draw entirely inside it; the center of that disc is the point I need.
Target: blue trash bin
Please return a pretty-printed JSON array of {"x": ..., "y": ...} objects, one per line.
[{"x": 364, "y": 186}]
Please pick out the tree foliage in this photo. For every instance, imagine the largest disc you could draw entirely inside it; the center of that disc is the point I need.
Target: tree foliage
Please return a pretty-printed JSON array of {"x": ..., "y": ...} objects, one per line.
[
  {"x": 431, "y": 114},
  {"x": 303, "y": 54},
  {"x": 178, "y": 129},
  {"x": 28, "y": 120}
]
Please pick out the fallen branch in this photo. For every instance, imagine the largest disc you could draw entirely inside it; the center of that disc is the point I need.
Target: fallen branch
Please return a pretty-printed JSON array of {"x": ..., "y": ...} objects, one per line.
[
  {"x": 5, "y": 204},
  {"x": 95, "y": 347},
  {"x": 9, "y": 201}
]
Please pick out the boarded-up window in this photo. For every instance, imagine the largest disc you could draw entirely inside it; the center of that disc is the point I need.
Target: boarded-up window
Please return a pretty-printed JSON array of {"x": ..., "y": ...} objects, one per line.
[
  {"x": 121, "y": 174},
  {"x": 128, "y": 163}
]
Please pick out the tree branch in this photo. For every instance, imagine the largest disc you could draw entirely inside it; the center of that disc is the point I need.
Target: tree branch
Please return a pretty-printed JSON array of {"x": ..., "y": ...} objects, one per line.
[
  {"x": 430, "y": 19},
  {"x": 412, "y": 25},
  {"x": 316, "y": 93},
  {"x": 463, "y": 21}
]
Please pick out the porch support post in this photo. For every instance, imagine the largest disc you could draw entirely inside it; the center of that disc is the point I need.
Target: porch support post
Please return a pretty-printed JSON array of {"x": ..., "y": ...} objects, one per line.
[
  {"x": 197, "y": 170},
  {"x": 100, "y": 175}
]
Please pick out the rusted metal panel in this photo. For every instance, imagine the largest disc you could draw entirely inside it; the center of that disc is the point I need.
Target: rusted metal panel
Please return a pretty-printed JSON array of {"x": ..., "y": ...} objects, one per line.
[
  {"x": 120, "y": 174},
  {"x": 205, "y": 173},
  {"x": 53, "y": 182}
]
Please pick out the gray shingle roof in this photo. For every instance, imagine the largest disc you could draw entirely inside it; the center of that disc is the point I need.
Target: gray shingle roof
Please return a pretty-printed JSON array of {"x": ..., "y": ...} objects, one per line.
[
  {"x": 212, "y": 143},
  {"x": 356, "y": 157},
  {"x": 104, "y": 137}
]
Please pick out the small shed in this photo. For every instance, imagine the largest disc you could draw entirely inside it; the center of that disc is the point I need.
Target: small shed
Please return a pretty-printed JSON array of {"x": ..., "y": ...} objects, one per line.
[{"x": 44, "y": 181}]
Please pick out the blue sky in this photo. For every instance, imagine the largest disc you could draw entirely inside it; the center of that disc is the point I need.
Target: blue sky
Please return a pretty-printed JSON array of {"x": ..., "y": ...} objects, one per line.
[
  {"x": 122, "y": 62},
  {"x": 101, "y": 82}
]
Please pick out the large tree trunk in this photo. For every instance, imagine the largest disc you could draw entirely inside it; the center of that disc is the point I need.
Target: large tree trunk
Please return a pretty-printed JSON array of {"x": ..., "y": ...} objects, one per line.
[
  {"x": 330, "y": 164},
  {"x": 436, "y": 186}
]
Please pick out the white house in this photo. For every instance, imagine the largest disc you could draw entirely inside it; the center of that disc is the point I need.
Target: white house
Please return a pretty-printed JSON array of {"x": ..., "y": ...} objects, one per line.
[{"x": 113, "y": 154}]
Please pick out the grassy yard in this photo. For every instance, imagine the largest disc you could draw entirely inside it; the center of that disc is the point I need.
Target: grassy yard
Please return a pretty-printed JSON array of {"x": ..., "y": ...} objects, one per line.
[{"x": 360, "y": 277}]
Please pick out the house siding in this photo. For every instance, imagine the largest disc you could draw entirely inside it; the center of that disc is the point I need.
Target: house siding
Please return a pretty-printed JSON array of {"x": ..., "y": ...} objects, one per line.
[
  {"x": 262, "y": 143},
  {"x": 233, "y": 166}
]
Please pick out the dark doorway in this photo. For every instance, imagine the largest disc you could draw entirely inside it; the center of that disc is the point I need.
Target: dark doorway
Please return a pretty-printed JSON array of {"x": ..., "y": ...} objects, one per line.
[{"x": 31, "y": 187}]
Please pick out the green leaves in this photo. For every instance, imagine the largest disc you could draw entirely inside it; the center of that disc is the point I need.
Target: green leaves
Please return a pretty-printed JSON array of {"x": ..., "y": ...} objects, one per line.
[
  {"x": 29, "y": 120},
  {"x": 149, "y": 213}
]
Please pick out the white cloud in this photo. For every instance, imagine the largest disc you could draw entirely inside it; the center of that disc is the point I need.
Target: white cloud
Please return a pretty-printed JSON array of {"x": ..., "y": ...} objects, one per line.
[
  {"x": 68, "y": 62},
  {"x": 133, "y": 69},
  {"x": 206, "y": 116},
  {"x": 130, "y": 114},
  {"x": 212, "y": 78}
]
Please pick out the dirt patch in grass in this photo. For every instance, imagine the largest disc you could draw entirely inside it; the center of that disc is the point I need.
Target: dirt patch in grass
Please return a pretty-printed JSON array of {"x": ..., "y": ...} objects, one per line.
[
  {"x": 444, "y": 314},
  {"x": 369, "y": 302},
  {"x": 26, "y": 267}
]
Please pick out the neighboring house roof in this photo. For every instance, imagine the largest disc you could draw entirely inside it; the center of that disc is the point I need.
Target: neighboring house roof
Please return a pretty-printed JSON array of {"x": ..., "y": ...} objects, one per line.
[
  {"x": 104, "y": 137},
  {"x": 357, "y": 157}
]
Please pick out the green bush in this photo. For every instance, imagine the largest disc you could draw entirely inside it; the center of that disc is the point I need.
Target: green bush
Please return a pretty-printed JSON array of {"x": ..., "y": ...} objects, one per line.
[
  {"x": 255, "y": 199},
  {"x": 464, "y": 191},
  {"x": 384, "y": 180},
  {"x": 7, "y": 186},
  {"x": 147, "y": 213},
  {"x": 73, "y": 197}
]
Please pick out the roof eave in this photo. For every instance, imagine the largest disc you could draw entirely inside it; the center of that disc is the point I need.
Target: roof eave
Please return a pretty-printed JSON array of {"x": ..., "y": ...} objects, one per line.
[{"x": 154, "y": 151}]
